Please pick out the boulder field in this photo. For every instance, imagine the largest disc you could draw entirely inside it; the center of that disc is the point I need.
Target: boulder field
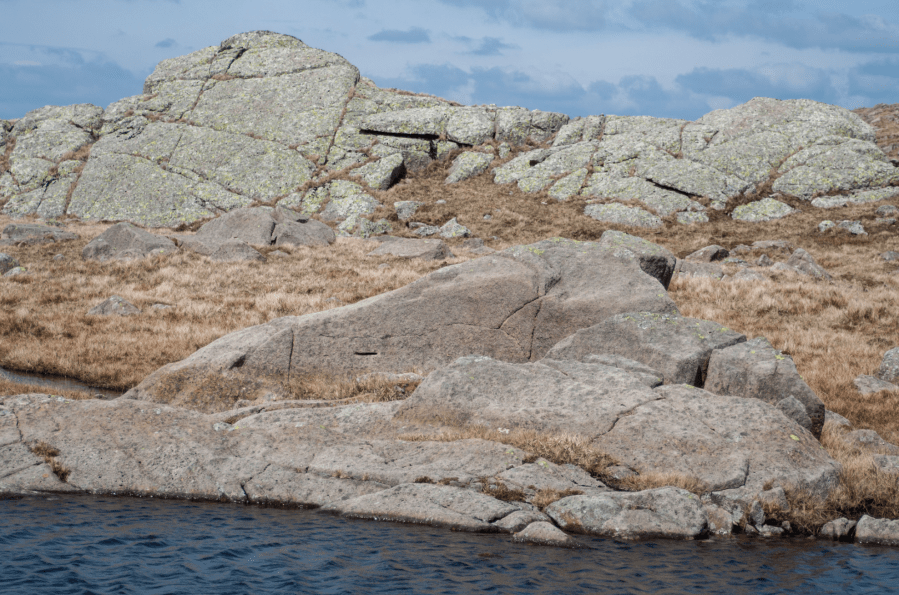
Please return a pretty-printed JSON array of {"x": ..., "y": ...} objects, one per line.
[{"x": 558, "y": 340}]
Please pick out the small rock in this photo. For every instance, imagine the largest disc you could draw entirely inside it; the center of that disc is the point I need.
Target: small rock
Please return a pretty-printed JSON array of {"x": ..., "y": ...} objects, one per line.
[
  {"x": 114, "y": 306},
  {"x": 870, "y": 441},
  {"x": 405, "y": 209},
  {"x": 15, "y": 272},
  {"x": 757, "y": 514},
  {"x": 426, "y": 230},
  {"x": 236, "y": 251},
  {"x": 621, "y": 214},
  {"x": 887, "y": 211},
  {"x": 504, "y": 150},
  {"x": 454, "y": 229},
  {"x": 59, "y": 257},
  {"x": 770, "y": 531},
  {"x": 775, "y": 499},
  {"x": 747, "y": 275},
  {"x": 741, "y": 249},
  {"x": 889, "y": 366},
  {"x": 772, "y": 244},
  {"x": 890, "y": 256},
  {"x": 467, "y": 165},
  {"x": 543, "y": 533},
  {"x": 853, "y": 227},
  {"x": 803, "y": 262},
  {"x": 520, "y": 519},
  {"x": 766, "y": 209},
  {"x": 708, "y": 254},
  {"x": 440, "y": 202},
  {"x": 721, "y": 522},
  {"x": 836, "y": 418},
  {"x": 877, "y": 531},
  {"x": 837, "y": 530},
  {"x": 406, "y": 248},
  {"x": 871, "y": 384},
  {"x": 825, "y": 225},
  {"x": 476, "y": 246},
  {"x": 7, "y": 263}
]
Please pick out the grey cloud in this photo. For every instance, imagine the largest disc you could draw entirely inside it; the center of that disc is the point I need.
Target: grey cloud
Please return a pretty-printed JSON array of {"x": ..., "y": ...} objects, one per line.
[
  {"x": 413, "y": 35},
  {"x": 769, "y": 20},
  {"x": 166, "y": 43},
  {"x": 491, "y": 46}
]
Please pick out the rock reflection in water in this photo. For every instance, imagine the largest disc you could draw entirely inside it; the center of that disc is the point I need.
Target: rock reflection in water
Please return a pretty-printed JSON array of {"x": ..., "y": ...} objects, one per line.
[{"x": 106, "y": 545}]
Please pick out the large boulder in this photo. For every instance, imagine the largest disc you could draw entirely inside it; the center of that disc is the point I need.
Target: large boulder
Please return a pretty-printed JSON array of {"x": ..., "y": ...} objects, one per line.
[
  {"x": 728, "y": 444},
  {"x": 512, "y": 305},
  {"x": 124, "y": 241},
  {"x": 755, "y": 369},
  {"x": 664, "y": 512},
  {"x": 677, "y": 347},
  {"x": 33, "y": 233}
]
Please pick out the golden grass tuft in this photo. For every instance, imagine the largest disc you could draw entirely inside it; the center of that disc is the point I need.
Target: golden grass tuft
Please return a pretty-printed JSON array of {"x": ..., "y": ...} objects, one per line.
[
  {"x": 49, "y": 454},
  {"x": 498, "y": 489},
  {"x": 648, "y": 481},
  {"x": 547, "y": 496}
]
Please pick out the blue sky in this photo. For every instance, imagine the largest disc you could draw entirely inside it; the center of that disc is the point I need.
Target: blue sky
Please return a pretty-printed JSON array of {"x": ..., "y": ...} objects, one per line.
[{"x": 672, "y": 58}]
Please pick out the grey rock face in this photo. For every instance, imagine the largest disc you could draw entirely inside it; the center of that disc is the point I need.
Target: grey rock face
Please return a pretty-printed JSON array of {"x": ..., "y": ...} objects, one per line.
[
  {"x": 622, "y": 215},
  {"x": 872, "y": 384},
  {"x": 31, "y": 233},
  {"x": 513, "y": 305},
  {"x": 655, "y": 260},
  {"x": 454, "y": 229},
  {"x": 889, "y": 366},
  {"x": 755, "y": 369},
  {"x": 382, "y": 174},
  {"x": 405, "y": 248},
  {"x": 236, "y": 251},
  {"x": 259, "y": 226},
  {"x": 114, "y": 306},
  {"x": 16, "y": 271},
  {"x": 708, "y": 270},
  {"x": 804, "y": 263},
  {"x": 762, "y": 210},
  {"x": 405, "y": 209},
  {"x": 124, "y": 240},
  {"x": 877, "y": 531},
  {"x": 7, "y": 263},
  {"x": 708, "y": 254},
  {"x": 663, "y": 512},
  {"x": 677, "y": 347},
  {"x": 443, "y": 506},
  {"x": 870, "y": 441}
]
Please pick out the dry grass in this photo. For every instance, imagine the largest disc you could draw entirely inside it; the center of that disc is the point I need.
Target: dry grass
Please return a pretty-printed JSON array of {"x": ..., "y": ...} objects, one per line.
[
  {"x": 44, "y": 327},
  {"x": 499, "y": 490},
  {"x": 49, "y": 454},
  {"x": 885, "y": 120},
  {"x": 648, "y": 481},
  {"x": 547, "y": 496}
]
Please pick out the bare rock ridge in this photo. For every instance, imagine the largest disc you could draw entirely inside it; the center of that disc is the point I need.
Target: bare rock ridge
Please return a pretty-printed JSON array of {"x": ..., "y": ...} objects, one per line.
[{"x": 265, "y": 119}]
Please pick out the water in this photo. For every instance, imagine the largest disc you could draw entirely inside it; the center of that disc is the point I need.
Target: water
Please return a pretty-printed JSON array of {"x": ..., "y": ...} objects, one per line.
[
  {"x": 47, "y": 382},
  {"x": 125, "y": 545}
]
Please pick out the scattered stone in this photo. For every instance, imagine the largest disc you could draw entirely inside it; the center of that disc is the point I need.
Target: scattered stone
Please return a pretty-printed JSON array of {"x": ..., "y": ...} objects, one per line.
[
  {"x": 663, "y": 512},
  {"x": 721, "y": 522},
  {"x": 867, "y": 385},
  {"x": 837, "y": 419},
  {"x": 467, "y": 165},
  {"x": 877, "y": 531},
  {"x": 679, "y": 348},
  {"x": 425, "y": 231},
  {"x": 766, "y": 209},
  {"x": 114, "y": 306},
  {"x": 405, "y": 209},
  {"x": 544, "y": 533},
  {"x": 383, "y": 173},
  {"x": 803, "y": 262},
  {"x": 825, "y": 225},
  {"x": 123, "y": 241},
  {"x": 519, "y": 519},
  {"x": 698, "y": 270},
  {"x": 773, "y": 245},
  {"x": 890, "y": 256},
  {"x": 764, "y": 261},
  {"x": 830, "y": 202},
  {"x": 7, "y": 263},
  {"x": 454, "y": 229},
  {"x": 755, "y": 370},
  {"x": 708, "y": 254},
  {"x": 278, "y": 254},
  {"x": 889, "y": 366},
  {"x": 840, "y": 529},
  {"x": 16, "y": 271},
  {"x": 853, "y": 227},
  {"x": 406, "y": 248},
  {"x": 887, "y": 211},
  {"x": 31, "y": 233}
]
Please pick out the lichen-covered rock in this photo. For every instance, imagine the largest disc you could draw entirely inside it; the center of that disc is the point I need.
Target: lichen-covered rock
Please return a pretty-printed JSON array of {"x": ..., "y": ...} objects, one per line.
[
  {"x": 663, "y": 202},
  {"x": 691, "y": 217},
  {"x": 622, "y": 215},
  {"x": 454, "y": 229},
  {"x": 7, "y": 263},
  {"x": 124, "y": 240},
  {"x": 766, "y": 209},
  {"x": 347, "y": 199},
  {"x": 114, "y": 306},
  {"x": 568, "y": 186},
  {"x": 383, "y": 173},
  {"x": 405, "y": 209},
  {"x": 468, "y": 165},
  {"x": 889, "y": 366},
  {"x": 656, "y": 261},
  {"x": 360, "y": 227}
]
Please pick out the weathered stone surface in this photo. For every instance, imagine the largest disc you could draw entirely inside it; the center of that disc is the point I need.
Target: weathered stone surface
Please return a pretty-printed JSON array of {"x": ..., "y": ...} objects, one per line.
[
  {"x": 840, "y": 529},
  {"x": 677, "y": 347},
  {"x": 837, "y": 419},
  {"x": 889, "y": 366},
  {"x": 721, "y": 522},
  {"x": 513, "y": 305},
  {"x": 16, "y": 271},
  {"x": 405, "y": 248},
  {"x": 622, "y": 215},
  {"x": 259, "y": 226},
  {"x": 870, "y": 441},
  {"x": 124, "y": 240},
  {"x": 804, "y": 263},
  {"x": 405, "y": 209},
  {"x": 887, "y": 463},
  {"x": 443, "y": 506},
  {"x": 877, "y": 531},
  {"x": 454, "y": 229},
  {"x": 648, "y": 376},
  {"x": 7, "y": 263},
  {"x": 656, "y": 261},
  {"x": 383, "y": 173},
  {"x": 755, "y": 369},
  {"x": 849, "y": 165},
  {"x": 114, "y": 306},
  {"x": 872, "y": 384},
  {"x": 236, "y": 251},
  {"x": 32, "y": 233},
  {"x": 360, "y": 227},
  {"x": 520, "y": 519},
  {"x": 663, "y": 202},
  {"x": 762, "y": 210},
  {"x": 707, "y": 270},
  {"x": 544, "y": 533},
  {"x": 709, "y": 254},
  {"x": 662, "y": 512},
  {"x": 467, "y": 165},
  {"x": 346, "y": 199}
]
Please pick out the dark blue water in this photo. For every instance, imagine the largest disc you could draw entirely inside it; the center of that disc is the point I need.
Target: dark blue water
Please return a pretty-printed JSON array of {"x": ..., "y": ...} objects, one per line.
[{"x": 120, "y": 545}]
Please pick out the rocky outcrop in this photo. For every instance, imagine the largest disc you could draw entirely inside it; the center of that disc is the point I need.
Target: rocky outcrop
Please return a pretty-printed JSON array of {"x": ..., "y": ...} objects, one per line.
[
  {"x": 404, "y": 248},
  {"x": 264, "y": 118},
  {"x": 513, "y": 305},
  {"x": 31, "y": 233},
  {"x": 114, "y": 306}
]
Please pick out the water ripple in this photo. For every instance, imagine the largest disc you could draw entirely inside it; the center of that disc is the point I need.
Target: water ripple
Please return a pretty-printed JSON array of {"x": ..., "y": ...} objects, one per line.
[{"x": 119, "y": 545}]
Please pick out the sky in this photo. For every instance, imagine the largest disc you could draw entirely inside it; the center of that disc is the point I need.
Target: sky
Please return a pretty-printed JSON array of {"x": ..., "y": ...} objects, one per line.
[{"x": 664, "y": 58}]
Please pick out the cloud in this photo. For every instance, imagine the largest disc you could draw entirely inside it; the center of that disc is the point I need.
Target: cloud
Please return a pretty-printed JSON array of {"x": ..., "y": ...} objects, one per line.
[
  {"x": 772, "y": 20},
  {"x": 96, "y": 81},
  {"x": 780, "y": 81},
  {"x": 555, "y": 15},
  {"x": 413, "y": 35},
  {"x": 166, "y": 43},
  {"x": 491, "y": 46}
]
